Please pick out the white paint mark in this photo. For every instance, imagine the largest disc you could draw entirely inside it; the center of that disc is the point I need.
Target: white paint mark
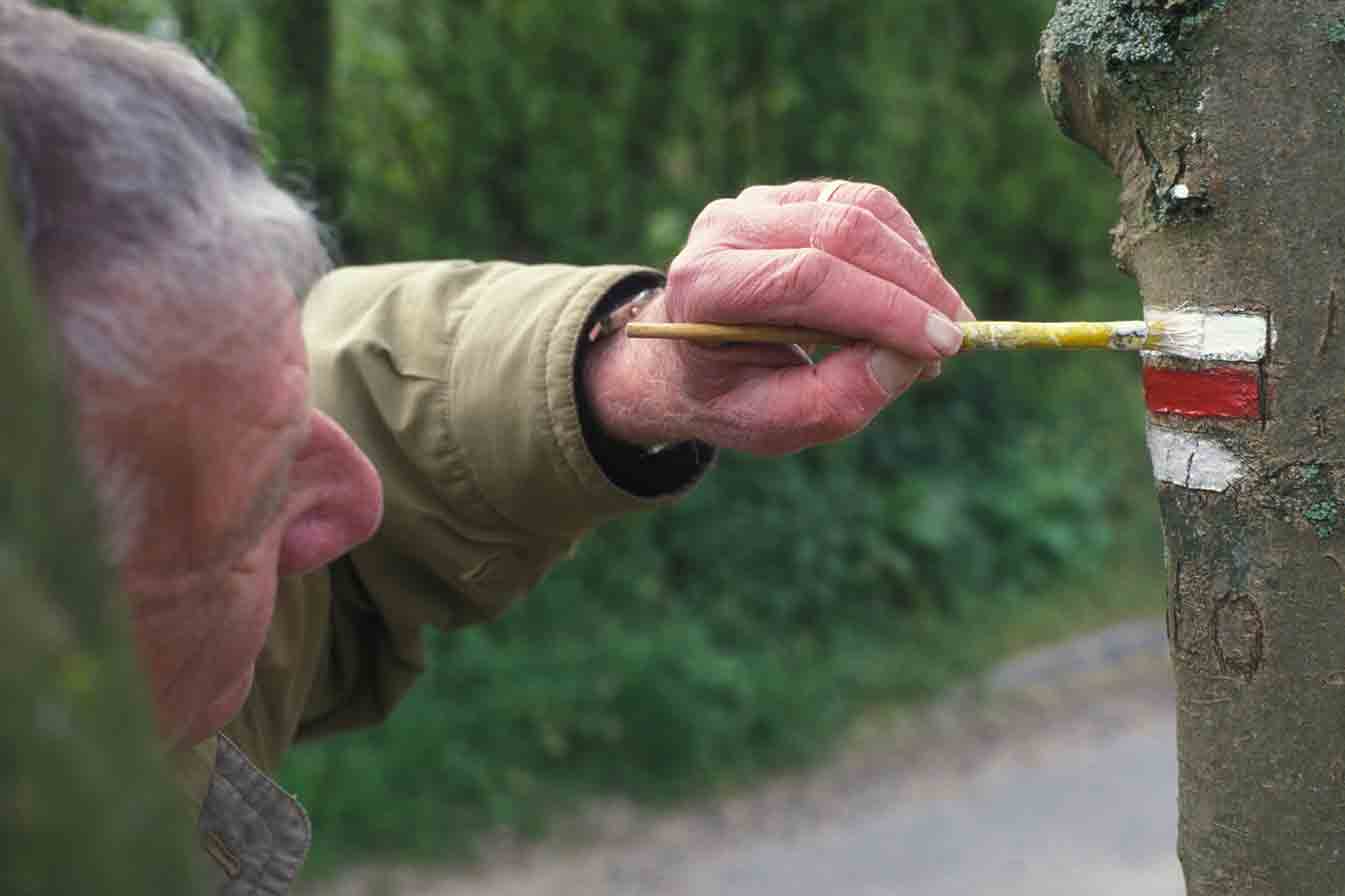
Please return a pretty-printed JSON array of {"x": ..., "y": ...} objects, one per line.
[
  {"x": 1192, "y": 461},
  {"x": 1181, "y": 191},
  {"x": 1207, "y": 336}
]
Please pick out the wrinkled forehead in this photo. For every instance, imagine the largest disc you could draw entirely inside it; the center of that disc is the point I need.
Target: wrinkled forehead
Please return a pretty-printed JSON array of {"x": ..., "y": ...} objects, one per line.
[{"x": 236, "y": 347}]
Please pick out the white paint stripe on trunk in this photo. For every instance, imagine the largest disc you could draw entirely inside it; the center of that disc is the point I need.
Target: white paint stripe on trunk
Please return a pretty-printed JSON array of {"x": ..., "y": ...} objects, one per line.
[
  {"x": 1214, "y": 336},
  {"x": 1192, "y": 461}
]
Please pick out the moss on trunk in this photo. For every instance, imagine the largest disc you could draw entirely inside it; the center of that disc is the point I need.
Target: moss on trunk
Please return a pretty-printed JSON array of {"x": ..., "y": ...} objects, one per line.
[{"x": 1130, "y": 32}]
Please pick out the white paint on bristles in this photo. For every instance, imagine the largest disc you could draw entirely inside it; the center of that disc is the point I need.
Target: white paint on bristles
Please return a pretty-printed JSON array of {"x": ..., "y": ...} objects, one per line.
[
  {"x": 1213, "y": 336},
  {"x": 1181, "y": 191},
  {"x": 1129, "y": 335},
  {"x": 1192, "y": 461}
]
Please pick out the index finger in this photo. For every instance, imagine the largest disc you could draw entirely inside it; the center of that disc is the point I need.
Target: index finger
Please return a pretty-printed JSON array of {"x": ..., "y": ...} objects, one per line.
[
  {"x": 876, "y": 200},
  {"x": 849, "y": 232},
  {"x": 808, "y": 288}
]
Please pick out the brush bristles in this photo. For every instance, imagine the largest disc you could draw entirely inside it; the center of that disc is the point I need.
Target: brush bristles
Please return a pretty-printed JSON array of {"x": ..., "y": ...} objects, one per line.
[{"x": 1174, "y": 334}]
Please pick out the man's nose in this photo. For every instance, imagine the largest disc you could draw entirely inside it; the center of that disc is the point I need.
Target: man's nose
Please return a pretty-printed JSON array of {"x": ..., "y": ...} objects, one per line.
[{"x": 338, "y": 497}]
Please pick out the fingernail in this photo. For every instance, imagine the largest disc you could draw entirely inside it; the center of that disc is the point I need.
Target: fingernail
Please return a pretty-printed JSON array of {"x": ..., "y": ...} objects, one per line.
[
  {"x": 943, "y": 334},
  {"x": 932, "y": 371},
  {"x": 894, "y": 372}
]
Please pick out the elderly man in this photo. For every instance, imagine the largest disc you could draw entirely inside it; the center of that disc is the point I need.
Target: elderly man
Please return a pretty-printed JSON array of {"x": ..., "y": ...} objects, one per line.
[{"x": 292, "y": 493}]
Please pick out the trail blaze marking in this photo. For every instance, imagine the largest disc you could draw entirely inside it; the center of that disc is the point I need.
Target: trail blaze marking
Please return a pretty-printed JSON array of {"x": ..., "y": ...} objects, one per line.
[
  {"x": 1232, "y": 392},
  {"x": 1225, "y": 383},
  {"x": 1191, "y": 460},
  {"x": 1218, "y": 336}
]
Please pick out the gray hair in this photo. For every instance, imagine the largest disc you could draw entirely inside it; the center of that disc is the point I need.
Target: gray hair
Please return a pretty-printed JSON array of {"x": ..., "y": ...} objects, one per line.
[{"x": 144, "y": 210}]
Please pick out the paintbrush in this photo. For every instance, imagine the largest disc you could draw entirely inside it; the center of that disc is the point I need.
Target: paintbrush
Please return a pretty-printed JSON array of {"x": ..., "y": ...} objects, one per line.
[{"x": 1181, "y": 333}]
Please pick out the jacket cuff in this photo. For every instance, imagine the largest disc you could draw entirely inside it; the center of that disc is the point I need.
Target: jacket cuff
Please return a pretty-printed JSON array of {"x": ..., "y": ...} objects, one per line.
[
  {"x": 540, "y": 461},
  {"x": 634, "y": 468}
]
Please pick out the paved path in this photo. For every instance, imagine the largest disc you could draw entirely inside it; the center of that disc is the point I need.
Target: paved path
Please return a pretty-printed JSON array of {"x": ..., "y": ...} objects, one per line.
[
  {"x": 1071, "y": 813},
  {"x": 1056, "y": 776}
]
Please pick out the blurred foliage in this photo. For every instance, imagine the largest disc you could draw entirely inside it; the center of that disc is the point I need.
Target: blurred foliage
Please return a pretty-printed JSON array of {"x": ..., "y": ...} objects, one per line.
[
  {"x": 83, "y": 784},
  {"x": 745, "y": 628}
]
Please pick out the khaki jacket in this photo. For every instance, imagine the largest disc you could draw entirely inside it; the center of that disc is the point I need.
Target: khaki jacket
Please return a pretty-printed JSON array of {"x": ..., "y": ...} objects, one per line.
[{"x": 458, "y": 380}]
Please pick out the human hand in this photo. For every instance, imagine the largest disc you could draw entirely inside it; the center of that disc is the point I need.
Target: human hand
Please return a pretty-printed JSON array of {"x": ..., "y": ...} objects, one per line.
[{"x": 834, "y": 256}]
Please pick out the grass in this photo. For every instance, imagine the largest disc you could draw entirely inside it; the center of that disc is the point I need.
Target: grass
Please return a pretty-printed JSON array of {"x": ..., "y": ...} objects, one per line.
[{"x": 1129, "y": 583}]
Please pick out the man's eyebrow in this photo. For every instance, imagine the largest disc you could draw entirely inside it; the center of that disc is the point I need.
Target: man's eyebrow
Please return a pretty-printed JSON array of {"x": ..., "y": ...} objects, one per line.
[
  {"x": 270, "y": 498},
  {"x": 268, "y": 501}
]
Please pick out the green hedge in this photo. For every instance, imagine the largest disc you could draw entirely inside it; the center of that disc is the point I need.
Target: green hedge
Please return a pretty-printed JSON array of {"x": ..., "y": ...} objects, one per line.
[{"x": 745, "y": 628}]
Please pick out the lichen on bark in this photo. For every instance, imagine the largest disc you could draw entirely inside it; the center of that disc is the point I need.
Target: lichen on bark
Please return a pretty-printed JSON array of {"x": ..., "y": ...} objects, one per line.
[{"x": 1129, "y": 32}]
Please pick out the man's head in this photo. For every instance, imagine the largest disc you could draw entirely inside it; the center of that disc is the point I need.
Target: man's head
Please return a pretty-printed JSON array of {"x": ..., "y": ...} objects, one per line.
[{"x": 171, "y": 268}]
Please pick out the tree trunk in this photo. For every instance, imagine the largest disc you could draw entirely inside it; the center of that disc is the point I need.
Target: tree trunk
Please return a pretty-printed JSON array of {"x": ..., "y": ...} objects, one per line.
[
  {"x": 1225, "y": 120},
  {"x": 298, "y": 49},
  {"x": 85, "y": 801},
  {"x": 190, "y": 21}
]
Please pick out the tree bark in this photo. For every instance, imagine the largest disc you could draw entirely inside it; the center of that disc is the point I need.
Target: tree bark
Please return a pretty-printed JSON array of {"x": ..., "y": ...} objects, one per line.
[
  {"x": 298, "y": 48},
  {"x": 190, "y": 20},
  {"x": 85, "y": 801},
  {"x": 1225, "y": 121}
]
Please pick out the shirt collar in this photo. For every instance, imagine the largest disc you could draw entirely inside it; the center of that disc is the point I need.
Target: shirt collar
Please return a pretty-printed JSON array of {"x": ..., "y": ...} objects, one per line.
[{"x": 255, "y": 833}]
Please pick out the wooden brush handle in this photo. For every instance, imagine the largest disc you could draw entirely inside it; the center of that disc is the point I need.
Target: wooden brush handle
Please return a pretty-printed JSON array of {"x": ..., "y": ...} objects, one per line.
[{"x": 718, "y": 334}]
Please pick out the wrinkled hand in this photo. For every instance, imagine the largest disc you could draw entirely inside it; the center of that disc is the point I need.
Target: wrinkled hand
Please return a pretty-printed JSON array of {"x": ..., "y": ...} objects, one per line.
[{"x": 836, "y": 256}]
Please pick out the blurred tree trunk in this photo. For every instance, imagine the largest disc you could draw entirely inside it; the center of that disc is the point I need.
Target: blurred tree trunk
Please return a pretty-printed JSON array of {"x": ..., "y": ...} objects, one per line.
[
  {"x": 298, "y": 49},
  {"x": 1225, "y": 120},
  {"x": 190, "y": 19},
  {"x": 74, "y": 7},
  {"x": 85, "y": 801}
]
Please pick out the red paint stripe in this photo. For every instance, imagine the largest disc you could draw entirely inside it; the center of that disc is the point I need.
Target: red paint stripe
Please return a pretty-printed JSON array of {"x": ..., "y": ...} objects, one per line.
[{"x": 1220, "y": 392}]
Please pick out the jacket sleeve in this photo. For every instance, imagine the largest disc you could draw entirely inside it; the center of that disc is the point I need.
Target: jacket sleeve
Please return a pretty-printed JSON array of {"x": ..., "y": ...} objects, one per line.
[{"x": 458, "y": 380}]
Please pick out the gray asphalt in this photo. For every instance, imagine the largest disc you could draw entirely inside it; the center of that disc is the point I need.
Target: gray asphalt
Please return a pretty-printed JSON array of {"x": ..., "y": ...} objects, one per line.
[
  {"x": 1069, "y": 815},
  {"x": 1056, "y": 775}
]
